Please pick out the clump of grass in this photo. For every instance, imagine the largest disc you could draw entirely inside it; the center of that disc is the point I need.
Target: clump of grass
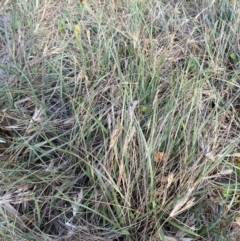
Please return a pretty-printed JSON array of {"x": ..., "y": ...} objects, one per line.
[{"x": 119, "y": 121}]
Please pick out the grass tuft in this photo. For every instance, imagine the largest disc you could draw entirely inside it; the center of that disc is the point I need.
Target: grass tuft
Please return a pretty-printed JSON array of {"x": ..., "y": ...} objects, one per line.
[{"x": 119, "y": 120}]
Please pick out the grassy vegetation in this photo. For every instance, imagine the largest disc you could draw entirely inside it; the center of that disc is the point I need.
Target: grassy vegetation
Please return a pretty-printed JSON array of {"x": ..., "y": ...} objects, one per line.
[{"x": 119, "y": 120}]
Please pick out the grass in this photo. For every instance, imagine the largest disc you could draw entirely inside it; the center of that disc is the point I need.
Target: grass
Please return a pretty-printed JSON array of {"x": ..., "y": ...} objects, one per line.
[{"x": 119, "y": 120}]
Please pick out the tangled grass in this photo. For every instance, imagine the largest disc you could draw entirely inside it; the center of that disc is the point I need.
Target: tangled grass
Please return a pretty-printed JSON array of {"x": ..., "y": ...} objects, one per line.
[{"x": 119, "y": 120}]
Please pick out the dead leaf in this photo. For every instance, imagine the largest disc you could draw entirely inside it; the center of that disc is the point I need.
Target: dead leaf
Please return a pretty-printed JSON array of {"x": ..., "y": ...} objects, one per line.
[
  {"x": 132, "y": 108},
  {"x": 183, "y": 204},
  {"x": 77, "y": 198},
  {"x": 89, "y": 36},
  {"x": 179, "y": 208},
  {"x": 114, "y": 137},
  {"x": 166, "y": 179},
  {"x": 236, "y": 160},
  {"x": 168, "y": 238},
  {"x": 145, "y": 45},
  {"x": 170, "y": 179},
  {"x": 135, "y": 38},
  {"x": 37, "y": 115},
  {"x": 237, "y": 221},
  {"x": 160, "y": 156}
]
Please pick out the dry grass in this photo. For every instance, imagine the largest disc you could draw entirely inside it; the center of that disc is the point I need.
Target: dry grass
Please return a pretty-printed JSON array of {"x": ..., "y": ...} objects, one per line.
[{"x": 119, "y": 120}]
